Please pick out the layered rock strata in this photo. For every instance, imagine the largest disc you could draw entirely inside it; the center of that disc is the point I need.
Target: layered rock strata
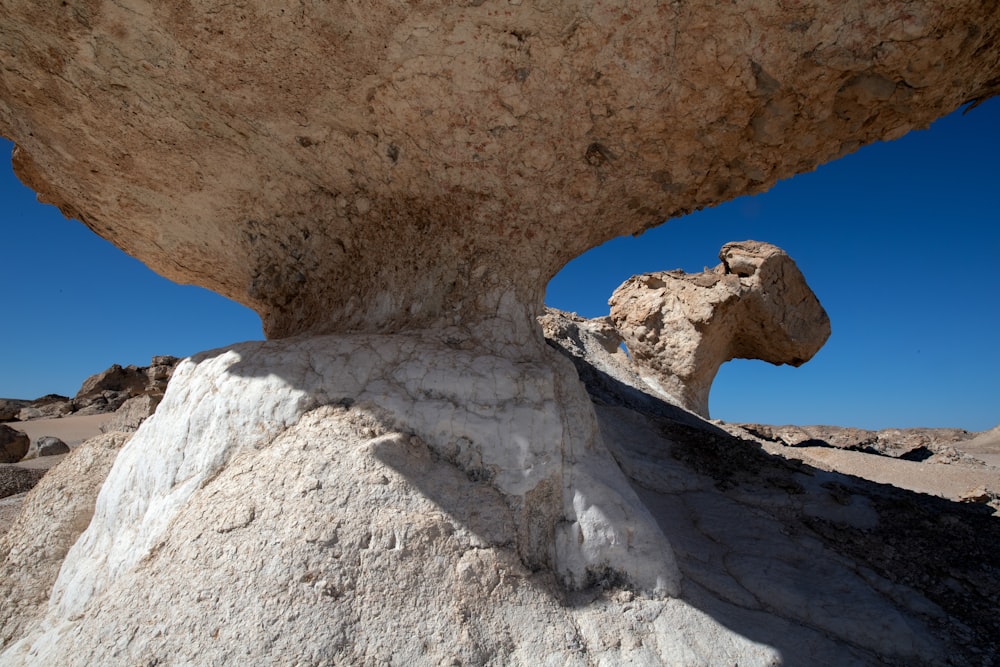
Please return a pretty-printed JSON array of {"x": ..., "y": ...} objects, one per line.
[{"x": 680, "y": 328}]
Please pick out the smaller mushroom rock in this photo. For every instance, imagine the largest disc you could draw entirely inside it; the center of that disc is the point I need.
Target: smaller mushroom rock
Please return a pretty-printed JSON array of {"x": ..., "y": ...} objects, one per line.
[{"x": 680, "y": 328}]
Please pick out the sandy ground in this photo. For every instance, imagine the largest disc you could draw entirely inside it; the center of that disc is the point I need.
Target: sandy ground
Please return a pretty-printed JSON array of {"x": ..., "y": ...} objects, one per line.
[
  {"x": 71, "y": 430},
  {"x": 985, "y": 447},
  {"x": 944, "y": 480}
]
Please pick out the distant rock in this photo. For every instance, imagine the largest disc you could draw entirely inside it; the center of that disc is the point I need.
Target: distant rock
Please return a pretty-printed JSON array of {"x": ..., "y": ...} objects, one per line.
[
  {"x": 680, "y": 328},
  {"x": 47, "y": 445},
  {"x": 115, "y": 379},
  {"x": 132, "y": 413},
  {"x": 100, "y": 393},
  {"x": 10, "y": 407},
  {"x": 46, "y": 407},
  {"x": 937, "y": 445},
  {"x": 13, "y": 444}
]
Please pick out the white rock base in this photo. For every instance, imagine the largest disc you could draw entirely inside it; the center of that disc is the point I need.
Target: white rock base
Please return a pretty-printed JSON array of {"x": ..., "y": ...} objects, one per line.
[{"x": 255, "y": 473}]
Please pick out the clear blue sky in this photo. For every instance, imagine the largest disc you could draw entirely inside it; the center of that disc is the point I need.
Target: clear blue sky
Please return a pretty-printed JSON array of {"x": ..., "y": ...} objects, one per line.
[{"x": 900, "y": 241}]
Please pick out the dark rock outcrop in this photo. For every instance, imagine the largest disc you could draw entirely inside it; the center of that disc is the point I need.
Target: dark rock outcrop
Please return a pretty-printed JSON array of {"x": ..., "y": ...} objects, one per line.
[{"x": 13, "y": 444}]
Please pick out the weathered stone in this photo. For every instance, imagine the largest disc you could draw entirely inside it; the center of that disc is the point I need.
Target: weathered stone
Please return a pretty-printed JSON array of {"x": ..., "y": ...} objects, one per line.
[
  {"x": 13, "y": 444},
  {"x": 46, "y": 407},
  {"x": 10, "y": 407},
  {"x": 14, "y": 480},
  {"x": 52, "y": 517},
  {"x": 413, "y": 166},
  {"x": 47, "y": 445},
  {"x": 680, "y": 328},
  {"x": 329, "y": 507},
  {"x": 422, "y": 171},
  {"x": 127, "y": 381},
  {"x": 132, "y": 413},
  {"x": 108, "y": 390}
]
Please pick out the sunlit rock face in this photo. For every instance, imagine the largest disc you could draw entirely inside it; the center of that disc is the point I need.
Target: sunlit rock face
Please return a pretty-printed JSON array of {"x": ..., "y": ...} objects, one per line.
[
  {"x": 680, "y": 328},
  {"x": 386, "y": 166},
  {"x": 420, "y": 171}
]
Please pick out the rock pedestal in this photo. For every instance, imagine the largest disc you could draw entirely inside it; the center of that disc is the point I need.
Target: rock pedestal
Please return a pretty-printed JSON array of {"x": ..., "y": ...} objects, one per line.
[{"x": 414, "y": 174}]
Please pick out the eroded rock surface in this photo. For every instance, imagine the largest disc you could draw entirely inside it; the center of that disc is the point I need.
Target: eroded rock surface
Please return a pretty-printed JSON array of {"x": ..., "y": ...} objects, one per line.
[
  {"x": 51, "y": 518},
  {"x": 426, "y": 169},
  {"x": 13, "y": 444},
  {"x": 680, "y": 328},
  {"x": 405, "y": 166},
  {"x": 309, "y": 506}
]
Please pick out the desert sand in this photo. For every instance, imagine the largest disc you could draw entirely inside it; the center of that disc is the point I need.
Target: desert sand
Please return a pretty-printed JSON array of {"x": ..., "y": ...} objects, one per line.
[{"x": 72, "y": 430}]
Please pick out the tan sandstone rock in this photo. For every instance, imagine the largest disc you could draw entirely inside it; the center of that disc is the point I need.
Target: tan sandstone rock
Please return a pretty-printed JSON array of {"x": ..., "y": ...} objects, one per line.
[
  {"x": 680, "y": 328},
  {"x": 408, "y": 166},
  {"x": 418, "y": 171}
]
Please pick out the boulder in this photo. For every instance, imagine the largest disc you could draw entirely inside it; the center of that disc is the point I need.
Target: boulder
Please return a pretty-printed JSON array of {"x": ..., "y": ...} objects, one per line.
[
  {"x": 117, "y": 380},
  {"x": 10, "y": 407},
  {"x": 680, "y": 328},
  {"x": 47, "y": 445},
  {"x": 108, "y": 390},
  {"x": 49, "y": 406},
  {"x": 13, "y": 444}
]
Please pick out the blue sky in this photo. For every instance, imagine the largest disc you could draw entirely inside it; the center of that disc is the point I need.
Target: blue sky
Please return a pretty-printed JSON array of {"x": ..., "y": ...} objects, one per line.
[{"x": 900, "y": 241}]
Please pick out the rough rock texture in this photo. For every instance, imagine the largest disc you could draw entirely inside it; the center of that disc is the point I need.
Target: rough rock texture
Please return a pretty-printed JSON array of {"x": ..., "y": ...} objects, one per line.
[
  {"x": 108, "y": 390},
  {"x": 132, "y": 413},
  {"x": 102, "y": 392},
  {"x": 10, "y": 407},
  {"x": 388, "y": 166},
  {"x": 426, "y": 168},
  {"x": 52, "y": 516},
  {"x": 680, "y": 328},
  {"x": 15, "y": 480},
  {"x": 46, "y": 407},
  {"x": 13, "y": 444},
  {"x": 320, "y": 509},
  {"x": 47, "y": 445}
]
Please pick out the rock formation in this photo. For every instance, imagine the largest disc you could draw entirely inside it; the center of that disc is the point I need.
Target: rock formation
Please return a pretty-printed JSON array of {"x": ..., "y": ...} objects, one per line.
[
  {"x": 132, "y": 413},
  {"x": 9, "y": 407},
  {"x": 680, "y": 328},
  {"x": 408, "y": 178},
  {"x": 52, "y": 517},
  {"x": 426, "y": 166},
  {"x": 47, "y": 445},
  {"x": 13, "y": 444},
  {"x": 103, "y": 392},
  {"x": 15, "y": 480}
]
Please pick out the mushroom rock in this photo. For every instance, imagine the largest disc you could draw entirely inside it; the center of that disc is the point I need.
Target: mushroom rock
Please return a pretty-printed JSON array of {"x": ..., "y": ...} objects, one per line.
[
  {"x": 680, "y": 328},
  {"x": 391, "y": 187},
  {"x": 419, "y": 166}
]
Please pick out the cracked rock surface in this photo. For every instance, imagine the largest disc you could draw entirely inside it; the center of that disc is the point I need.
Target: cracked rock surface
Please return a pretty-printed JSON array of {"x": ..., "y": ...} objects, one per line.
[{"x": 299, "y": 526}]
